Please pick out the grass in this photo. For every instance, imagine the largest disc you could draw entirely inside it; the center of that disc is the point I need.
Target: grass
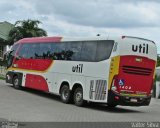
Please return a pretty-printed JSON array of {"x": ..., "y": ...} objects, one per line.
[{"x": 2, "y": 78}]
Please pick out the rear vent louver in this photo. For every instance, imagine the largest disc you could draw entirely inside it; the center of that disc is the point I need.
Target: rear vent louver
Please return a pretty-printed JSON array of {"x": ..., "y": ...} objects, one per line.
[
  {"x": 98, "y": 89},
  {"x": 137, "y": 70}
]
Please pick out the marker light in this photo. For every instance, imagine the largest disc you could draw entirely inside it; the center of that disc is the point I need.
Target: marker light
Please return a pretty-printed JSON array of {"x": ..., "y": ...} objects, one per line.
[{"x": 114, "y": 88}]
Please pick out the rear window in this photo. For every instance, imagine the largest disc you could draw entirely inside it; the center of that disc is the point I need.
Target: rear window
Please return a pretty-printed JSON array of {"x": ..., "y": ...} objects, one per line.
[{"x": 104, "y": 49}]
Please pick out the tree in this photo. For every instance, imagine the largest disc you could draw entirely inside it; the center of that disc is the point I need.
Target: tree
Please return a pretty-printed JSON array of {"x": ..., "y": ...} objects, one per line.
[
  {"x": 24, "y": 29},
  {"x": 158, "y": 60}
]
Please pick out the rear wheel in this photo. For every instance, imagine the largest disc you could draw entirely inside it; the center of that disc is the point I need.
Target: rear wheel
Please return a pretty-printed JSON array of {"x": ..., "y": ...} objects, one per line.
[
  {"x": 78, "y": 97},
  {"x": 16, "y": 83},
  {"x": 65, "y": 94}
]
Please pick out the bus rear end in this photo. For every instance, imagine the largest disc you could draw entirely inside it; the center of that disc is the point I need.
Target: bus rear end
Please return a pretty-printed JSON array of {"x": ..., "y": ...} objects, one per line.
[{"x": 132, "y": 72}]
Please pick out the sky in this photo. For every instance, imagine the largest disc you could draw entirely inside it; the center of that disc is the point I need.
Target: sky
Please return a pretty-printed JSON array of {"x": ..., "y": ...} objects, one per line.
[{"x": 140, "y": 18}]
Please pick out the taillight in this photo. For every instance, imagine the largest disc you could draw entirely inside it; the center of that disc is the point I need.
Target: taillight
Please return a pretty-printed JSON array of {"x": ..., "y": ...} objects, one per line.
[
  {"x": 114, "y": 85},
  {"x": 151, "y": 90}
]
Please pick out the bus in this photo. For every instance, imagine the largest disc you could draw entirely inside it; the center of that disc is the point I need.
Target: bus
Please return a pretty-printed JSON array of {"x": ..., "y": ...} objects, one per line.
[{"x": 110, "y": 70}]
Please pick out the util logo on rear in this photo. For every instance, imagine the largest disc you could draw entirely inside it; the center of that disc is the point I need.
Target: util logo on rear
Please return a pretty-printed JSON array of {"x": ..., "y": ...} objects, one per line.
[{"x": 142, "y": 48}]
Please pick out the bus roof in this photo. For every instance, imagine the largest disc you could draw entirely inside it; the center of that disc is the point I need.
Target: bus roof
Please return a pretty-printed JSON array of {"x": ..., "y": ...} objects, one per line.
[
  {"x": 59, "y": 39},
  {"x": 40, "y": 39},
  {"x": 132, "y": 37}
]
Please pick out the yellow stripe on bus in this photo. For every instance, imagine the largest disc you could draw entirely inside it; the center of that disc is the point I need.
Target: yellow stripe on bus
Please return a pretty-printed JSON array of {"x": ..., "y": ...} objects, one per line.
[{"x": 114, "y": 69}]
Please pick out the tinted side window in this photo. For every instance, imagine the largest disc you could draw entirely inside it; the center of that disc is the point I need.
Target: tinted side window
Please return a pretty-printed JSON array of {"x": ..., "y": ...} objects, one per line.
[
  {"x": 59, "y": 53},
  {"x": 89, "y": 51},
  {"x": 33, "y": 50},
  {"x": 45, "y": 51},
  {"x": 24, "y": 51},
  {"x": 104, "y": 49},
  {"x": 53, "y": 51},
  {"x": 73, "y": 50},
  {"x": 14, "y": 49},
  {"x": 36, "y": 51}
]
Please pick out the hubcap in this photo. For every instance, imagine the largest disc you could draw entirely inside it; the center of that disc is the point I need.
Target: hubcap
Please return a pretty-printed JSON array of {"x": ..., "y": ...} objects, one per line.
[
  {"x": 65, "y": 94},
  {"x": 78, "y": 96},
  {"x": 16, "y": 82}
]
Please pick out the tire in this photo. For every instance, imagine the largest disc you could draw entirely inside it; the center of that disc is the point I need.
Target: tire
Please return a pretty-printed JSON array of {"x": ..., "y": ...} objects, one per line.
[
  {"x": 16, "y": 84},
  {"x": 65, "y": 94},
  {"x": 111, "y": 105},
  {"x": 78, "y": 97}
]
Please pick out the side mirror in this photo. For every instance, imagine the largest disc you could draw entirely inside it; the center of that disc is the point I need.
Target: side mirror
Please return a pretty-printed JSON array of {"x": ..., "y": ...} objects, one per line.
[
  {"x": 17, "y": 57},
  {"x": 7, "y": 54}
]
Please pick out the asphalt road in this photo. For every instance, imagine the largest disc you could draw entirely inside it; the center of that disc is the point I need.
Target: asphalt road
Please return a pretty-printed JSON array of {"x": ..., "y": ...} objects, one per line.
[{"x": 34, "y": 106}]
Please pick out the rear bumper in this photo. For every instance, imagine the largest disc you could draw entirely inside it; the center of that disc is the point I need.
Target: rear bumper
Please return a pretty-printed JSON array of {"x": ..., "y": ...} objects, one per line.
[{"x": 126, "y": 101}]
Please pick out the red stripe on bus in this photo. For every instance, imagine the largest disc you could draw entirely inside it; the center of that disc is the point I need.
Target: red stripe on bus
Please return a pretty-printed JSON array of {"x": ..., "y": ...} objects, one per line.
[
  {"x": 33, "y": 64},
  {"x": 40, "y": 40}
]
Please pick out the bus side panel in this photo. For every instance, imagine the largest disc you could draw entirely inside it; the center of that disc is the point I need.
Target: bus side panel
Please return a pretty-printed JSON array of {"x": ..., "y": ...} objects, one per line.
[
  {"x": 23, "y": 79},
  {"x": 36, "y": 82},
  {"x": 51, "y": 79},
  {"x": 96, "y": 89},
  {"x": 61, "y": 78},
  {"x": 79, "y": 79},
  {"x": 96, "y": 81}
]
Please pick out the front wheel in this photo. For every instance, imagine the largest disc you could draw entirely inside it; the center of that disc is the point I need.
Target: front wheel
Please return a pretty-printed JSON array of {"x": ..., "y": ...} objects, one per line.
[
  {"x": 16, "y": 82},
  {"x": 78, "y": 97}
]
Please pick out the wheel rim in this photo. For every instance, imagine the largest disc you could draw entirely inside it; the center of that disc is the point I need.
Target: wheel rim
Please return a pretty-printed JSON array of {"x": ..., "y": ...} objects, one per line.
[
  {"x": 78, "y": 96},
  {"x": 65, "y": 94},
  {"x": 16, "y": 82}
]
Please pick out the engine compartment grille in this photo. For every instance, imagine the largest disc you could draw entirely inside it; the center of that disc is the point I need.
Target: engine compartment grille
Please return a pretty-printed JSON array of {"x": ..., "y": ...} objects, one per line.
[{"x": 137, "y": 70}]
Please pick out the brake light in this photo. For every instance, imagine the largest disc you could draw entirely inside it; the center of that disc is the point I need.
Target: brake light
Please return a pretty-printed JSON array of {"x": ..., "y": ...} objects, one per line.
[
  {"x": 151, "y": 90},
  {"x": 114, "y": 85}
]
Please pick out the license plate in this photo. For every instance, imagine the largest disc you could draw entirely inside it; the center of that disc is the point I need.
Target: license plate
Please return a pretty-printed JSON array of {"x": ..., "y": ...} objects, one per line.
[{"x": 133, "y": 100}]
